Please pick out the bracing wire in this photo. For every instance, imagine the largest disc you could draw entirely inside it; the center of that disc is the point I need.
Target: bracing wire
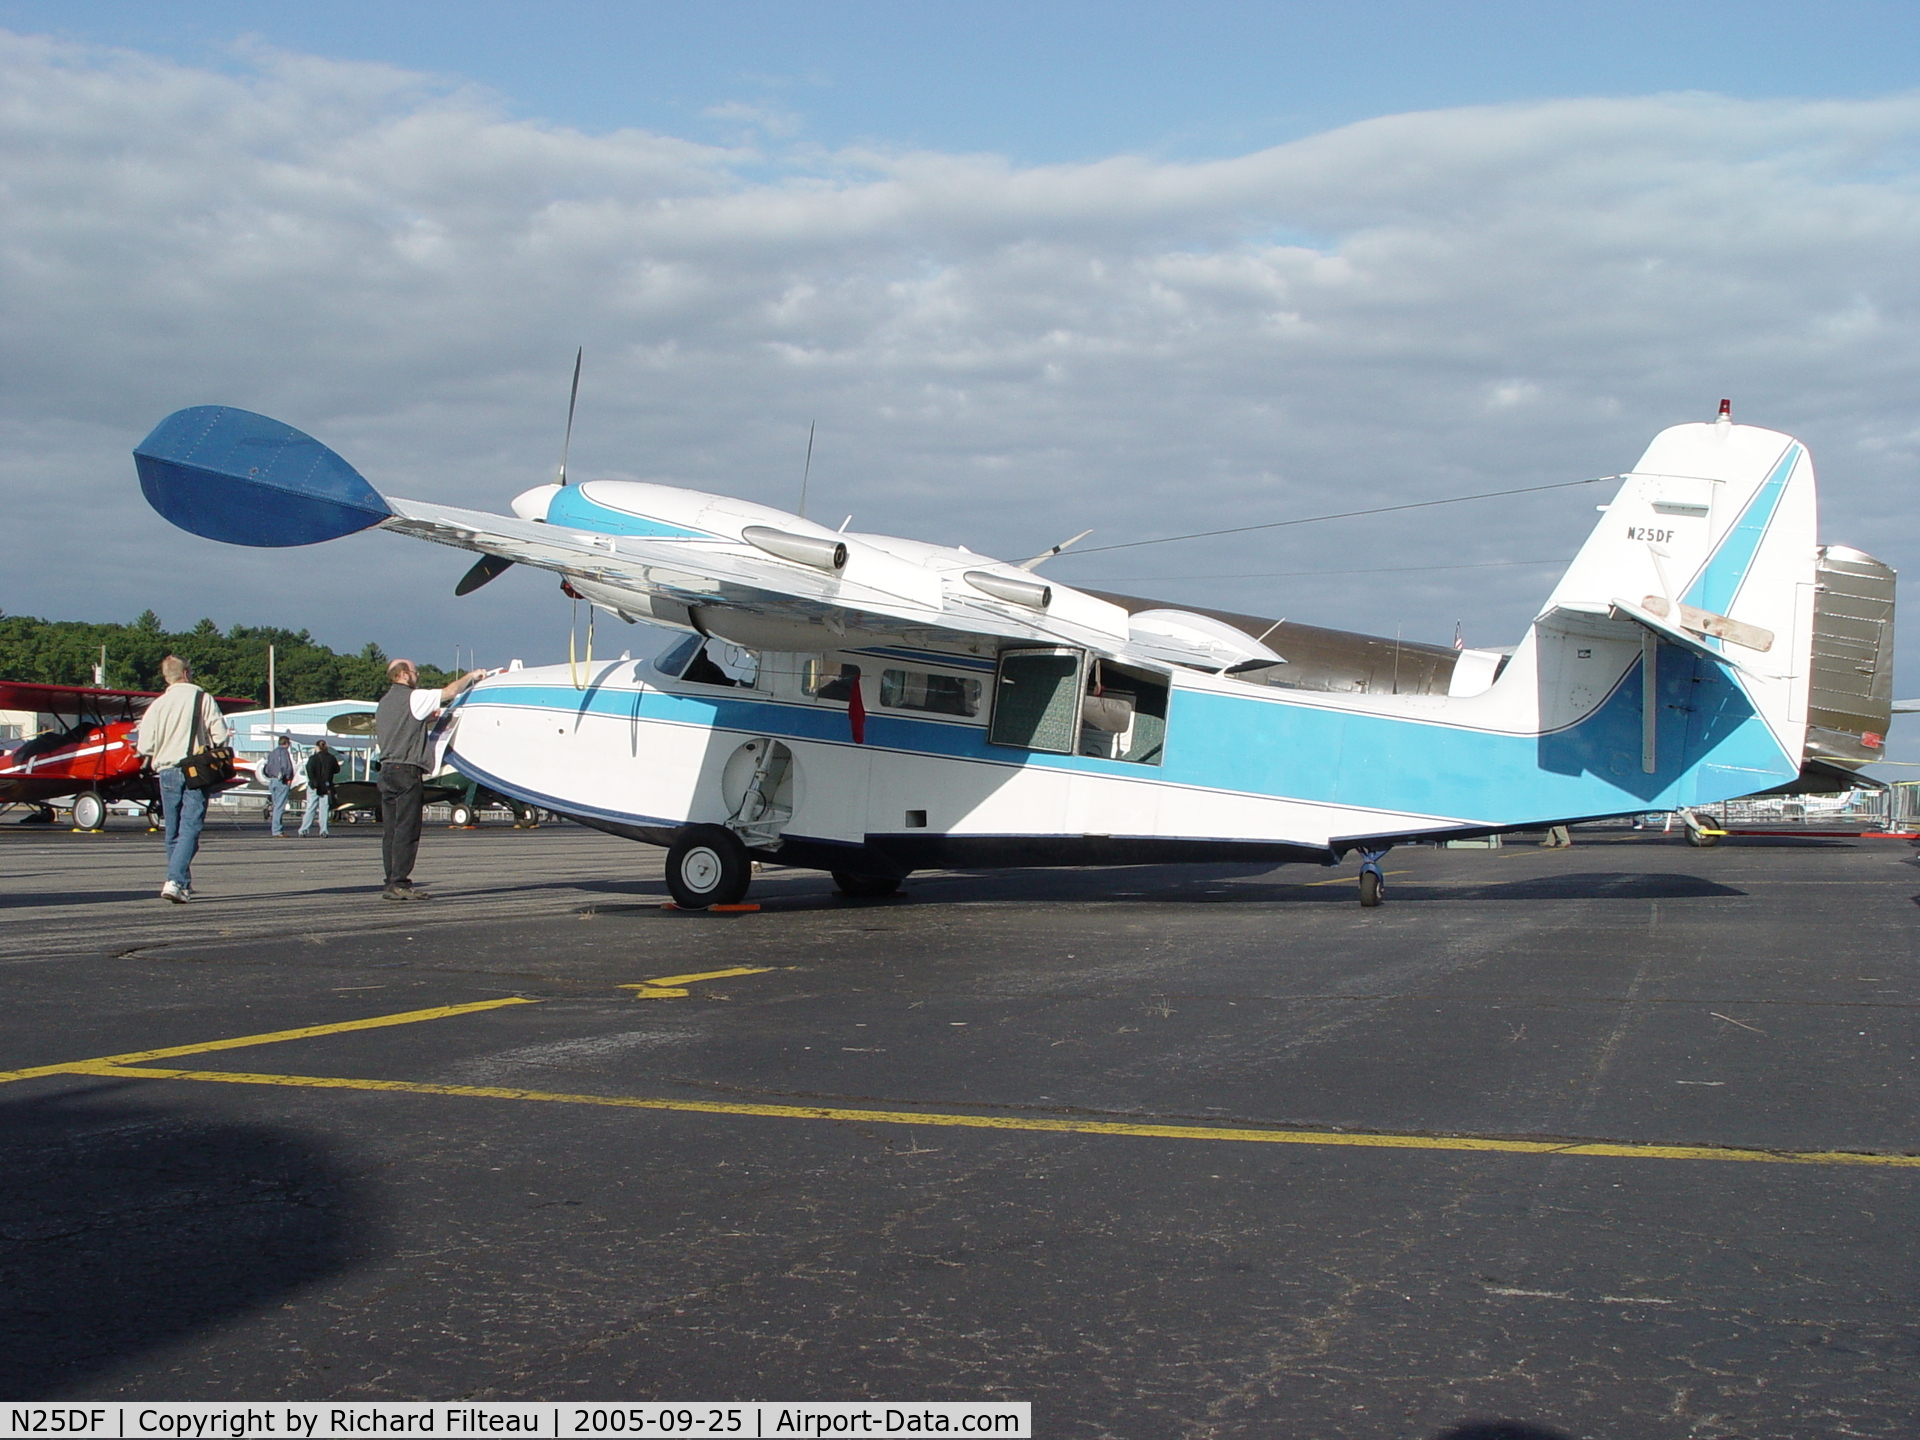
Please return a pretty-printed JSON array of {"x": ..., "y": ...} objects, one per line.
[
  {"x": 1299, "y": 574},
  {"x": 1342, "y": 515}
]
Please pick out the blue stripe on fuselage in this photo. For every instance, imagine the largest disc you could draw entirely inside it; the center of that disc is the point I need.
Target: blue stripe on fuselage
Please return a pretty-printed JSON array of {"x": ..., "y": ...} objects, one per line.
[{"x": 1711, "y": 745}]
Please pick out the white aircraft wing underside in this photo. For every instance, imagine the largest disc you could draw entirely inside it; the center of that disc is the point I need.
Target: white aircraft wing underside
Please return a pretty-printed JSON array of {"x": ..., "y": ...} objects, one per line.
[{"x": 718, "y": 579}]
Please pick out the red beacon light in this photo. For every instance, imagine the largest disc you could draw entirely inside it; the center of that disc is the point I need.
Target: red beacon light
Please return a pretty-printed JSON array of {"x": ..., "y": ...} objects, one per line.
[{"x": 1726, "y": 412}]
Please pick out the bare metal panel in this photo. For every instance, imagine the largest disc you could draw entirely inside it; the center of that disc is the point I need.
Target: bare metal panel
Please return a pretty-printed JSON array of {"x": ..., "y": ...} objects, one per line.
[
  {"x": 1851, "y": 694},
  {"x": 1323, "y": 659}
]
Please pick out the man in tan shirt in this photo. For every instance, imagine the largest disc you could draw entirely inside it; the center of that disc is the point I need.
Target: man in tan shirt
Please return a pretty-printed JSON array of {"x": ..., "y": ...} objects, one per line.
[{"x": 183, "y": 720}]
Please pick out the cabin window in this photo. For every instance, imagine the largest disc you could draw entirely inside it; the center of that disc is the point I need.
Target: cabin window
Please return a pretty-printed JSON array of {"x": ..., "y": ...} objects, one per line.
[
  {"x": 675, "y": 657},
  {"x": 1123, "y": 714},
  {"x": 1036, "y": 700},
  {"x": 830, "y": 681},
  {"x": 720, "y": 662},
  {"x": 936, "y": 694}
]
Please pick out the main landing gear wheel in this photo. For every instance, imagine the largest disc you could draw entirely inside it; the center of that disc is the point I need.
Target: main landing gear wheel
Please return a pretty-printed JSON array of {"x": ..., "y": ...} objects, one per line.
[
  {"x": 462, "y": 817},
  {"x": 1700, "y": 839},
  {"x": 89, "y": 811},
  {"x": 857, "y": 886},
  {"x": 707, "y": 865},
  {"x": 1369, "y": 888}
]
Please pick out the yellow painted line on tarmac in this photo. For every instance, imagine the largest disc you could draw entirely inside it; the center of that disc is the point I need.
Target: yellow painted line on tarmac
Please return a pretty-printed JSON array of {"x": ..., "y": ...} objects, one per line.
[
  {"x": 1135, "y": 1129},
  {"x": 1351, "y": 879},
  {"x": 671, "y": 987},
  {"x": 240, "y": 1042}
]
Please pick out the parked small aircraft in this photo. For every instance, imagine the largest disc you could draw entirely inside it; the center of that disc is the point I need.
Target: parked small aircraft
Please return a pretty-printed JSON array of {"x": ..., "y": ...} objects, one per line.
[
  {"x": 869, "y": 705},
  {"x": 91, "y": 759}
]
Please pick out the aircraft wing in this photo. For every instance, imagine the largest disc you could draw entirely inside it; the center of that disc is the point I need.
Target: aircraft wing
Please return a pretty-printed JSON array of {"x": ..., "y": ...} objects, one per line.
[
  {"x": 65, "y": 699},
  {"x": 729, "y": 588},
  {"x": 88, "y": 699},
  {"x": 762, "y": 578}
]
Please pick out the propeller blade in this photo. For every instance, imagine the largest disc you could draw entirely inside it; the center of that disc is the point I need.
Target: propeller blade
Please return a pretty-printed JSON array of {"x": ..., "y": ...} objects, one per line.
[
  {"x": 484, "y": 569},
  {"x": 572, "y": 400},
  {"x": 805, "y": 471}
]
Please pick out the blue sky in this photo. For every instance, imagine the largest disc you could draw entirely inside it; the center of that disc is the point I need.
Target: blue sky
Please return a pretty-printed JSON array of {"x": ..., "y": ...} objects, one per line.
[
  {"x": 1040, "y": 82},
  {"x": 1029, "y": 269}
]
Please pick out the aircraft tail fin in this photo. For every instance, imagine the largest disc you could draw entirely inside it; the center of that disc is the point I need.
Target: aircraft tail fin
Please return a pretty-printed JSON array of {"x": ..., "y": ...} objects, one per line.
[
  {"x": 1711, "y": 532},
  {"x": 244, "y": 479},
  {"x": 1708, "y": 548}
]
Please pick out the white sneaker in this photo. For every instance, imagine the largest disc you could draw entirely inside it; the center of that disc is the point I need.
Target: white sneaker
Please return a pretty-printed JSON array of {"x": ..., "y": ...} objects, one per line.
[{"x": 173, "y": 892}]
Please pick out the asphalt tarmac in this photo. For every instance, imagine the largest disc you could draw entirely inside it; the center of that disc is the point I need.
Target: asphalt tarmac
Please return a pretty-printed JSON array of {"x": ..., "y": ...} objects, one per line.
[{"x": 1616, "y": 1140}]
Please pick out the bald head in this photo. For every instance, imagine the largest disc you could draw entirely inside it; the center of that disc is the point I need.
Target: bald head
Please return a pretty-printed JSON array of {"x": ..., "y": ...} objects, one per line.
[{"x": 402, "y": 672}]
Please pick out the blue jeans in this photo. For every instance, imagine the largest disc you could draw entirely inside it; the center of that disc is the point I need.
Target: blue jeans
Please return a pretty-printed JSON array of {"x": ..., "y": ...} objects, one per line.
[
  {"x": 186, "y": 812},
  {"x": 277, "y": 791},
  {"x": 317, "y": 805}
]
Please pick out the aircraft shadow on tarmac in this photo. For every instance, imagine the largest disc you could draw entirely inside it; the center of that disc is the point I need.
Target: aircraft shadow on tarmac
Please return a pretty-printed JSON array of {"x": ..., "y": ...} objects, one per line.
[
  {"x": 1499, "y": 1430},
  {"x": 1595, "y": 885},
  {"x": 1138, "y": 887},
  {"x": 26, "y": 901},
  {"x": 127, "y": 1227}
]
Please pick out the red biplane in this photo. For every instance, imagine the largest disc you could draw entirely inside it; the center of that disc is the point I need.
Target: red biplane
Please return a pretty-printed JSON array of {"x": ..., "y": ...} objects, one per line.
[{"x": 91, "y": 759}]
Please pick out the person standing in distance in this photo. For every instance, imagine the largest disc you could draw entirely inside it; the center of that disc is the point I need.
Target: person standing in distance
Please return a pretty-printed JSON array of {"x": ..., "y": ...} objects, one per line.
[
  {"x": 322, "y": 766},
  {"x": 400, "y": 725},
  {"x": 278, "y": 771},
  {"x": 184, "y": 719}
]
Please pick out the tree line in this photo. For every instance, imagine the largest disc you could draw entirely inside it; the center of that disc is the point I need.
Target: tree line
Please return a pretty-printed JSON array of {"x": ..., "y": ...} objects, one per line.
[{"x": 64, "y": 652}]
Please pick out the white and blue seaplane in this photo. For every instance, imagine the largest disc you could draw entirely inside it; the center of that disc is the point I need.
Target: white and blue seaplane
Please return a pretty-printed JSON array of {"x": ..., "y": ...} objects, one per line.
[{"x": 870, "y": 706}]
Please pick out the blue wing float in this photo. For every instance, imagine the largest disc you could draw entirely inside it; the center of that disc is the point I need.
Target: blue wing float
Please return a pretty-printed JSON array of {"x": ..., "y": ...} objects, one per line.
[
  {"x": 243, "y": 479},
  {"x": 871, "y": 705}
]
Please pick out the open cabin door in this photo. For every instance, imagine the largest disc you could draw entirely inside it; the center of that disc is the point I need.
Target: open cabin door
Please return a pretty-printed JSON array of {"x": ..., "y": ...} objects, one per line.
[
  {"x": 1036, "y": 699},
  {"x": 1059, "y": 701}
]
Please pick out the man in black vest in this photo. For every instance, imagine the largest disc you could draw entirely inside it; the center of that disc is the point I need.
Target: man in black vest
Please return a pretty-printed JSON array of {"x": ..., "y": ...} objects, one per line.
[{"x": 400, "y": 725}]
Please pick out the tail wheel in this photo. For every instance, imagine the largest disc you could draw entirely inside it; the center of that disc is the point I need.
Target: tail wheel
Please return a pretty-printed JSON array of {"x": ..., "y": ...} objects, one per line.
[
  {"x": 860, "y": 886},
  {"x": 1369, "y": 889},
  {"x": 89, "y": 811},
  {"x": 707, "y": 865}
]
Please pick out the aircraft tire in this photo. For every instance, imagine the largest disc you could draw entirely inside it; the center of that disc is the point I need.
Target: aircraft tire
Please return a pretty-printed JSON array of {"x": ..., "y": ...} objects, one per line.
[
  {"x": 1700, "y": 840},
  {"x": 462, "y": 816},
  {"x": 707, "y": 865},
  {"x": 89, "y": 811},
  {"x": 857, "y": 886},
  {"x": 1369, "y": 889}
]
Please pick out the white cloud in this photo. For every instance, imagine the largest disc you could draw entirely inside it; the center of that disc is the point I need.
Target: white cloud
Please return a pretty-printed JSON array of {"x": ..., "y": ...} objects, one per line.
[{"x": 998, "y": 356}]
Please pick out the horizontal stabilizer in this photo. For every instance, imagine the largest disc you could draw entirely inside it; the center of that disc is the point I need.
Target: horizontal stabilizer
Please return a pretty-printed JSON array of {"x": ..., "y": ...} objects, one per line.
[
  {"x": 241, "y": 478},
  {"x": 1626, "y": 609}
]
